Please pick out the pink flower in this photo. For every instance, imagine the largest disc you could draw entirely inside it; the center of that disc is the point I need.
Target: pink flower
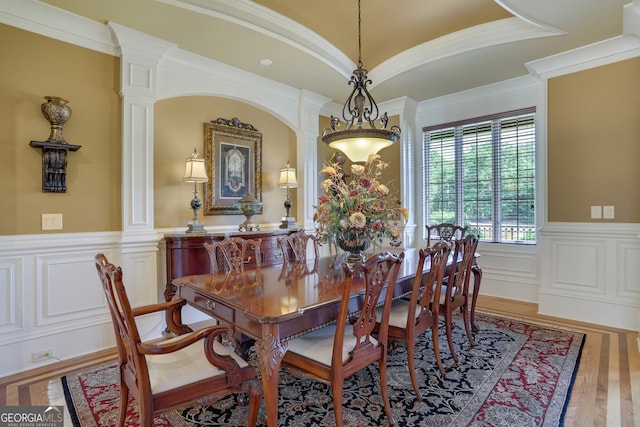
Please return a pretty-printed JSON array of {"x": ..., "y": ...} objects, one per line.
[
  {"x": 323, "y": 199},
  {"x": 353, "y": 193}
]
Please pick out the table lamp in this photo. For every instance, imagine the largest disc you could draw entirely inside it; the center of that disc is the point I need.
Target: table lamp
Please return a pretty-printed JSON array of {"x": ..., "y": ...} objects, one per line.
[
  {"x": 288, "y": 180},
  {"x": 195, "y": 172}
]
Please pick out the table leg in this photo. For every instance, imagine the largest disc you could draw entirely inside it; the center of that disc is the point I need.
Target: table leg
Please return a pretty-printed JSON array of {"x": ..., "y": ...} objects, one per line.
[
  {"x": 270, "y": 351},
  {"x": 477, "y": 278}
]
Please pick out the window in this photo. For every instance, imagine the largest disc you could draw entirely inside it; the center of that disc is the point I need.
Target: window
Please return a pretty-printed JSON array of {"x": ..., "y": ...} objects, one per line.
[{"x": 481, "y": 173}]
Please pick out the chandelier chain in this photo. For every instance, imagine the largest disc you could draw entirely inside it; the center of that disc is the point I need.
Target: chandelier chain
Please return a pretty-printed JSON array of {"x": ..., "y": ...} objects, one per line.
[{"x": 359, "y": 37}]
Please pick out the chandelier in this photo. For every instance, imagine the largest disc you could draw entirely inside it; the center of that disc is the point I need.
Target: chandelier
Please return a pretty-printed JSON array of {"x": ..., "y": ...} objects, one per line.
[{"x": 360, "y": 136}]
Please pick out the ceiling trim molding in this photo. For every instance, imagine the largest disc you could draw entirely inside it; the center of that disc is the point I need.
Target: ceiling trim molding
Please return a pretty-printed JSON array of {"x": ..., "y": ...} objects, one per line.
[
  {"x": 631, "y": 18},
  {"x": 480, "y": 36},
  {"x": 50, "y": 21},
  {"x": 272, "y": 24},
  {"x": 512, "y": 94},
  {"x": 594, "y": 55},
  {"x": 183, "y": 73}
]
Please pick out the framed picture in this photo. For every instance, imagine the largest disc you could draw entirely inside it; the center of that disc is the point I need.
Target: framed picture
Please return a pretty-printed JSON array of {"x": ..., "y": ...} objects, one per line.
[{"x": 233, "y": 153}]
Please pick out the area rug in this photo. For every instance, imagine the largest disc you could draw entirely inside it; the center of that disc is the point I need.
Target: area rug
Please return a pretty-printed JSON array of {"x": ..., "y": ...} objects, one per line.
[{"x": 518, "y": 374}]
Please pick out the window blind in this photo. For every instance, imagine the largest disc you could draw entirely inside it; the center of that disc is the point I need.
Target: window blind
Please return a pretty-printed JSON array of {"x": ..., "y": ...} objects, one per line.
[{"x": 481, "y": 173}]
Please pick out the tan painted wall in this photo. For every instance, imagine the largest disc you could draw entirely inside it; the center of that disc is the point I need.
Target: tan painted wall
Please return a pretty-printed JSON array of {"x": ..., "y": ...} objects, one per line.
[
  {"x": 594, "y": 143},
  {"x": 31, "y": 67},
  {"x": 178, "y": 130}
]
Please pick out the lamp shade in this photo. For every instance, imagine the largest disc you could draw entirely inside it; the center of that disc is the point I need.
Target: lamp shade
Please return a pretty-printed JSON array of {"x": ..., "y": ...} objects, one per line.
[
  {"x": 358, "y": 144},
  {"x": 195, "y": 170},
  {"x": 287, "y": 177}
]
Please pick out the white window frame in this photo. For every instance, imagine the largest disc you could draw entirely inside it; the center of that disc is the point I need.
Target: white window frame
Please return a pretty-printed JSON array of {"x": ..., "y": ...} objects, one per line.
[{"x": 457, "y": 149}]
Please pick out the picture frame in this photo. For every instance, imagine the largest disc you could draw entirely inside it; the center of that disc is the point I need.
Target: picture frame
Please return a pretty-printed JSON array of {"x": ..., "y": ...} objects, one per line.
[{"x": 233, "y": 158}]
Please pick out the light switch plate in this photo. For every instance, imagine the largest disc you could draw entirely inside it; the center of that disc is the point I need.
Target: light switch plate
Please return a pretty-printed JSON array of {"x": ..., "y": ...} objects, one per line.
[
  {"x": 51, "y": 221},
  {"x": 596, "y": 212},
  {"x": 608, "y": 212}
]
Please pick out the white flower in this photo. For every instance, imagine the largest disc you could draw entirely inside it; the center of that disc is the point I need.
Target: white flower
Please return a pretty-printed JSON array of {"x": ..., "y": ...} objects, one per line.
[
  {"x": 358, "y": 220},
  {"x": 383, "y": 189},
  {"x": 357, "y": 169}
]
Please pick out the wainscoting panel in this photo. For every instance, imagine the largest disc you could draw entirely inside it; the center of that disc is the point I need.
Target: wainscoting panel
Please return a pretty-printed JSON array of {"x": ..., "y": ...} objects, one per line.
[
  {"x": 628, "y": 265},
  {"x": 67, "y": 288},
  {"x": 11, "y": 318},
  {"x": 52, "y": 300},
  {"x": 590, "y": 273},
  {"x": 509, "y": 271},
  {"x": 579, "y": 264}
]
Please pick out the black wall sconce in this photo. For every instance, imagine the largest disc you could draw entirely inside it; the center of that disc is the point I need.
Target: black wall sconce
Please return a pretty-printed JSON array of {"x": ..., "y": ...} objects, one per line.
[{"x": 54, "y": 149}]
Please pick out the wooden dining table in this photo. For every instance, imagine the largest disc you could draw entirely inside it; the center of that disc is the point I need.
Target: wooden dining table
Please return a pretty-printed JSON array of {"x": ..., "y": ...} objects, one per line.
[{"x": 274, "y": 304}]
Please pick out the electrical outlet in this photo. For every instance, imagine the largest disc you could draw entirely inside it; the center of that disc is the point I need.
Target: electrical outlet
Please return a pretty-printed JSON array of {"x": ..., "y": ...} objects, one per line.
[{"x": 39, "y": 356}]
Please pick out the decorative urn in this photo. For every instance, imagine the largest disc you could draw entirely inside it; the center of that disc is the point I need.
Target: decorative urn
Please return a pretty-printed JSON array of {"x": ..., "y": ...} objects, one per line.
[
  {"x": 249, "y": 207},
  {"x": 57, "y": 112}
]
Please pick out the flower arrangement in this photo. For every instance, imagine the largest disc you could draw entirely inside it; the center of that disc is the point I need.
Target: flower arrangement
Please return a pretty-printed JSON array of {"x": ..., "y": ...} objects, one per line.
[{"x": 358, "y": 212}]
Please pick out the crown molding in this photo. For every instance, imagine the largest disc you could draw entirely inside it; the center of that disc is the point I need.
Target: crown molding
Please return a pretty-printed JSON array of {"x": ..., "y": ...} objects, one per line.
[
  {"x": 49, "y": 21},
  {"x": 480, "y": 36},
  {"x": 631, "y": 18},
  {"x": 594, "y": 55},
  {"x": 272, "y": 24}
]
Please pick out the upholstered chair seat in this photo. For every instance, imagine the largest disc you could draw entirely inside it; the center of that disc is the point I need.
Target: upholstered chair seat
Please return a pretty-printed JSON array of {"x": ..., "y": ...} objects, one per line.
[
  {"x": 318, "y": 345},
  {"x": 185, "y": 366}
]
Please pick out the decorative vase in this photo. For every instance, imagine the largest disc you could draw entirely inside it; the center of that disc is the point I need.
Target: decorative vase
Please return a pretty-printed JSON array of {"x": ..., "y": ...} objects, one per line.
[
  {"x": 57, "y": 112},
  {"x": 249, "y": 207},
  {"x": 353, "y": 241}
]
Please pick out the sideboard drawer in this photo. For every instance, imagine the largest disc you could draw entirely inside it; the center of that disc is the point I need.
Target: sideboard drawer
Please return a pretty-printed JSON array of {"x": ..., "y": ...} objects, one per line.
[{"x": 272, "y": 257}]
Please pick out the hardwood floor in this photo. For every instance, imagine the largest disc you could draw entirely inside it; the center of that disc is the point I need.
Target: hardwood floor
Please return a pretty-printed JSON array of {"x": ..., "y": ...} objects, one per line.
[{"x": 606, "y": 391}]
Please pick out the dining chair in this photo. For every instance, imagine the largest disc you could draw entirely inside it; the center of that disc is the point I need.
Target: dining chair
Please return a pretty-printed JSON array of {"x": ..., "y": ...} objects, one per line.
[
  {"x": 445, "y": 231},
  {"x": 335, "y": 352},
  {"x": 233, "y": 253},
  {"x": 295, "y": 246},
  {"x": 455, "y": 290},
  {"x": 451, "y": 232},
  {"x": 408, "y": 318},
  {"x": 171, "y": 373}
]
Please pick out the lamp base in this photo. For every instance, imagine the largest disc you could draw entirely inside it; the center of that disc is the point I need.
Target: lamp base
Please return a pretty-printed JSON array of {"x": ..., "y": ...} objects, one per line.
[
  {"x": 288, "y": 222},
  {"x": 196, "y": 228}
]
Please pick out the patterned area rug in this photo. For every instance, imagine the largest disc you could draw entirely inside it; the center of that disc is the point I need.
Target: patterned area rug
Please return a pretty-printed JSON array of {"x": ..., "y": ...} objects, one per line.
[{"x": 518, "y": 374}]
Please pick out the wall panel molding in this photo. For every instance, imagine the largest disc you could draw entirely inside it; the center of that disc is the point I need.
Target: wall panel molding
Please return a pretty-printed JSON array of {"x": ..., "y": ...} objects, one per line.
[
  {"x": 11, "y": 295},
  {"x": 590, "y": 273},
  {"x": 53, "y": 297}
]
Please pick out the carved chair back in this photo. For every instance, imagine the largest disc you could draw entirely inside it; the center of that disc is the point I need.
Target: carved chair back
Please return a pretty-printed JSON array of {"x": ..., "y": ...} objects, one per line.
[
  {"x": 445, "y": 231},
  {"x": 232, "y": 253},
  {"x": 295, "y": 246}
]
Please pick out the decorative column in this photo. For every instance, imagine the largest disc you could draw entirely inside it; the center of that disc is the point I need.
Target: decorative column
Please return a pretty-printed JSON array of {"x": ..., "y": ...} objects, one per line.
[
  {"x": 140, "y": 56},
  {"x": 308, "y": 135}
]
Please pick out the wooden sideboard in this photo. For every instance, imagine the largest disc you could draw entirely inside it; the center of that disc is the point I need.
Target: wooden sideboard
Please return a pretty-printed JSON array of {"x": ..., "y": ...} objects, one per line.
[{"x": 186, "y": 254}]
